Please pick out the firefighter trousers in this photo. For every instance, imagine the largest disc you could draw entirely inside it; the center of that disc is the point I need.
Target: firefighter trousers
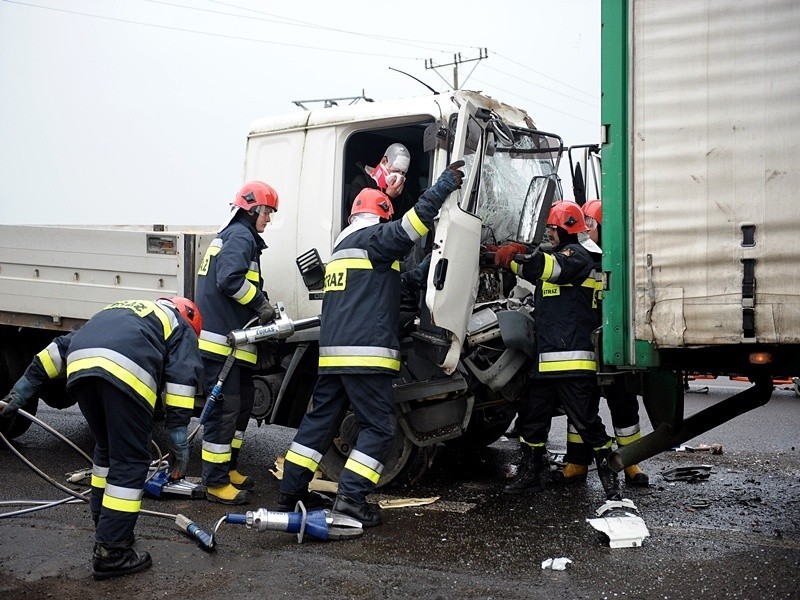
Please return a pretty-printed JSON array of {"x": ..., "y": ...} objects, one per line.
[
  {"x": 624, "y": 408},
  {"x": 372, "y": 401},
  {"x": 223, "y": 432},
  {"x": 122, "y": 427},
  {"x": 579, "y": 397}
]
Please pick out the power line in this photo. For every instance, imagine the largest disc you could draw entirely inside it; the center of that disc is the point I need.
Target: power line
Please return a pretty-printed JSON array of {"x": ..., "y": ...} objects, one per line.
[
  {"x": 537, "y": 103},
  {"x": 279, "y": 20},
  {"x": 298, "y": 23},
  {"x": 544, "y": 75},
  {"x": 593, "y": 104},
  {"x": 206, "y": 33},
  {"x": 393, "y": 39}
]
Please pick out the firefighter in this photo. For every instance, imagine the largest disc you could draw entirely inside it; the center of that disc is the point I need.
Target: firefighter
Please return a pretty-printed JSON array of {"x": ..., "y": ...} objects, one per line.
[
  {"x": 567, "y": 365},
  {"x": 388, "y": 176},
  {"x": 116, "y": 365},
  {"x": 623, "y": 405},
  {"x": 359, "y": 351},
  {"x": 229, "y": 292}
]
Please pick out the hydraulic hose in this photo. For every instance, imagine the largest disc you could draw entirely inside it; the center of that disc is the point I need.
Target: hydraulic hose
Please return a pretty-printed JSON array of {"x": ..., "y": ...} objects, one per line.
[
  {"x": 217, "y": 389},
  {"x": 206, "y": 541}
]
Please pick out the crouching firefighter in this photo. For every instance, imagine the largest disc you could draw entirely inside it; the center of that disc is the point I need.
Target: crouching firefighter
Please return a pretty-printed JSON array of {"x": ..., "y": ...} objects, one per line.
[
  {"x": 116, "y": 365},
  {"x": 566, "y": 371},
  {"x": 359, "y": 350}
]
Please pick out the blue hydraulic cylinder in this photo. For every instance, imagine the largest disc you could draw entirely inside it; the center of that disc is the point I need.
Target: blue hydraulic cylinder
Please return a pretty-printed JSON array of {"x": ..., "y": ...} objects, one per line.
[{"x": 313, "y": 523}]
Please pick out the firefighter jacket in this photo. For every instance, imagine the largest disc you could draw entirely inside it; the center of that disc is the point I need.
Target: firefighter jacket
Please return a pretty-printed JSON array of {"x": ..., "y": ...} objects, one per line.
[
  {"x": 361, "y": 305},
  {"x": 563, "y": 308},
  {"x": 229, "y": 289},
  {"x": 139, "y": 346}
]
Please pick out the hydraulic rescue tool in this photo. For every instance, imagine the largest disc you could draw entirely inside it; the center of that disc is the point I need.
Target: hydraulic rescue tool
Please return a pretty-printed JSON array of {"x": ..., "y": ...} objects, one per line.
[
  {"x": 320, "y": 524},
  {"x": 281, "y": 328},
  {"x": 159, "y": 482}
]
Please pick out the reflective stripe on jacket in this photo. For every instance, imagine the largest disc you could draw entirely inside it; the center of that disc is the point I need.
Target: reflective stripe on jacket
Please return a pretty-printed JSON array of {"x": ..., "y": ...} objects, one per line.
[
  {"x": 139, "y": 346},
  {"x": 228, "y": 287},
  {"x": 563, "y": 306},
  {"x": 361, "y": 305}
]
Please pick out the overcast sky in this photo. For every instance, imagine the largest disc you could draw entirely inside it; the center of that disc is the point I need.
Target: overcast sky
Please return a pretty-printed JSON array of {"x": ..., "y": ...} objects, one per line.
[{"x": 137, "y": 111}]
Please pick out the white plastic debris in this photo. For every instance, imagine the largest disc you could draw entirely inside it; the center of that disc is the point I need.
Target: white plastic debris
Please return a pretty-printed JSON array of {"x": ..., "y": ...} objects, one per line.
[
  {"x": 620, "y": 521},
  {"x": 556, "y": 564}
]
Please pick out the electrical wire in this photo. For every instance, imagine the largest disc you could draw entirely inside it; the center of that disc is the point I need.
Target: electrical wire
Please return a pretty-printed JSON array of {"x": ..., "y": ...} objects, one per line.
[
  {"x": 491, "y": 85},
  {"x": 593, "y": 104},
  {"x": 206, "y": 33},
  {"x": 519, "y": 64},
  {"x": 280, "y": 20}
]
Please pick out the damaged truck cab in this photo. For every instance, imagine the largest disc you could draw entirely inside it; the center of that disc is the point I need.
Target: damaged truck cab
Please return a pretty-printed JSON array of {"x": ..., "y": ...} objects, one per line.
[{"x": 464, "y": 348}]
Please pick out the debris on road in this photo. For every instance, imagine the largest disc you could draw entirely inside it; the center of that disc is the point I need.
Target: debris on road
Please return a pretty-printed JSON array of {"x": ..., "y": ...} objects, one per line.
[
  {"x": 406, "y": 502},
  {"x": 690, "y": 473},
  {"x": 317, "y": 484},
  {"x": 620, "y": 522},
  {"x": 556, "y": 564},
  {"x": 713, "y": 448}
]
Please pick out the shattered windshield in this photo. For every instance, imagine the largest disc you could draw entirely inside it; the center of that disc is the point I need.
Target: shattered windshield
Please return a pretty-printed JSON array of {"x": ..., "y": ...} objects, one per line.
[{"x": 508, "y": 176}]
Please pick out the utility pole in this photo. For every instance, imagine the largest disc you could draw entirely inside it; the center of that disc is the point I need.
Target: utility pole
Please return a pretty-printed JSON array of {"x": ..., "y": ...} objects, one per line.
[{"x": 457, "y": 60}]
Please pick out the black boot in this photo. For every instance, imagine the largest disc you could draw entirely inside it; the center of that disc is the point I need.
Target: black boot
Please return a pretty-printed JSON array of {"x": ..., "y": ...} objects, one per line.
[
  {"x": 532, "y": 470},
  {"x": 369, "y": 515},
  {"x": 113, "y": 562},
  {"x": 608, "y": 477},
  {"x": 311, "y": 500}
]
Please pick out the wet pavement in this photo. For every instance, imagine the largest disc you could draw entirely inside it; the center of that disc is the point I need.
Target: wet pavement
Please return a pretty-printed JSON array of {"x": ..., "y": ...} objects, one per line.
[{"x": 735, "y": 535}]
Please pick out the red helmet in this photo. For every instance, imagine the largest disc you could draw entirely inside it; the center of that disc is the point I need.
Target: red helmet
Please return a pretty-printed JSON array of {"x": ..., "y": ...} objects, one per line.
[
  {"x": 594, "y": 209},
  {"x": 567, "y": 215},
  {"x": 373, "y": 202},
  {"x": 188, "y": 310},
  {"x": 256, "y": 193}
]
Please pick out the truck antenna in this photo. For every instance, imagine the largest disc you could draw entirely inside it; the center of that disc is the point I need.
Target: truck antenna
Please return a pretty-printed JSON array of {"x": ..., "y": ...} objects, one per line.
[{"x": 412, "y": 77}]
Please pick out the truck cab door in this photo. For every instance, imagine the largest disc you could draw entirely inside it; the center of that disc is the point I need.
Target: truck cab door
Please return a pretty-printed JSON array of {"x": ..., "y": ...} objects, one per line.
[
  {"x": 511, "y": 180},
  {"x": 453, "y": 276}
]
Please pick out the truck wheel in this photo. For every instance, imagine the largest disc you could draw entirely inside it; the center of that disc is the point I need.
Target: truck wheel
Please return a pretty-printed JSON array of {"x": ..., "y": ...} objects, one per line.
[
  {"x": 485, "y": 428},
  {"x": 406, "y": 462}
]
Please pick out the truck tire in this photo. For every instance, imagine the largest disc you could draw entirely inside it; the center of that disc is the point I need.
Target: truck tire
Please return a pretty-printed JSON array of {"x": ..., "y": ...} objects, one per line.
[
  {"x": 405, "y": 463},
  {"x": 485, "y": 428}
]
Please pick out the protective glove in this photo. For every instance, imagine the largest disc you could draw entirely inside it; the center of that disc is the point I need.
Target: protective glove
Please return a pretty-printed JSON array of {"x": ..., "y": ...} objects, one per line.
[
  {"x": 266, "y": 312},
  {"x": 414, "y": 279},
  {"x": 178, "y": 451},
  {"x": 505, "y": 254},
  {"x": 449, "y": 181},
  {"x": 19, "y": 396}
]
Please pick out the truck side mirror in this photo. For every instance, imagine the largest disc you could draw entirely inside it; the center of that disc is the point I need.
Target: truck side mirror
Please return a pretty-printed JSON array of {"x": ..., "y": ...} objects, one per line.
[
  {"x": 312, "y": 269},
  {"x": 538, "y": 200}
]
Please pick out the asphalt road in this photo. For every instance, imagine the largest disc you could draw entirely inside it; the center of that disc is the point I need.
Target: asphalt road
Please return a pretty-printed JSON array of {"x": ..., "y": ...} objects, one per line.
[{"x": 735, "y": 535}]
